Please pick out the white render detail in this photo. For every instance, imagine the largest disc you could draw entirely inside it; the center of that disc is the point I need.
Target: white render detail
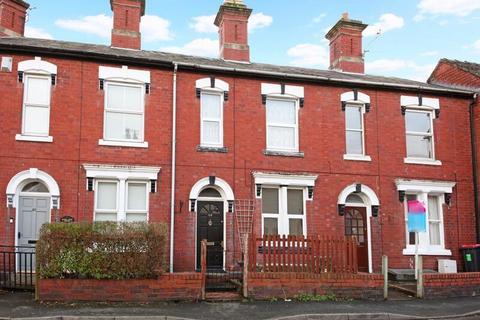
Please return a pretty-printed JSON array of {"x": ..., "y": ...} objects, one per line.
[
  {"x": 123, "y": 74},
  {"x": 220, "y": 185},
  {"x": 414, "y": 101},
  {"x": 121, "y": 172},
  {"x": 276, "y": 90},
  {"x": 22, "y": 178},
  {"x": 428, "y": 186},
  {"x": 110, "y": 143},
  {"x": 278, "y": 179},
  {"x": 205, "y": 83},
  {"x": 350, "y": 97},
  {"x": 37, "y": 66},
  {"x": 21, "y": 137}
]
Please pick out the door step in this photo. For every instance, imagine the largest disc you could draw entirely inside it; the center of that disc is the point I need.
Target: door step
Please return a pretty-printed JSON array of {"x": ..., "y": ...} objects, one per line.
[{"x": 222, "y": 296}]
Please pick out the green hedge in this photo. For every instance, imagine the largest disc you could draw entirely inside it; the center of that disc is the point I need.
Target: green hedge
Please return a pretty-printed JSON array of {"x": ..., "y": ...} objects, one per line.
[{"x": 101, "y": 250}]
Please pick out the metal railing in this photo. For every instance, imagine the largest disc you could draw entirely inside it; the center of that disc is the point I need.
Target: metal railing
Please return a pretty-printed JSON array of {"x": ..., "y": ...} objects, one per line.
[{"x": 17, "y": 267}]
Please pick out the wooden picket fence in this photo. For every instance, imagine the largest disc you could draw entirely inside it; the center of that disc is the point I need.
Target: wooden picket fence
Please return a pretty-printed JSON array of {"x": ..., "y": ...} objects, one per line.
[{"x": 315, "y": 254}]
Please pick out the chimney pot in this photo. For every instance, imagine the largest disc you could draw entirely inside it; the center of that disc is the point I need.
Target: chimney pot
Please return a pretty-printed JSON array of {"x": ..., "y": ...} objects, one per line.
[
  {"x": 346, "y": 52},
  {"x": 127, "y": 15},
  {"x": 13, "y": 14}
]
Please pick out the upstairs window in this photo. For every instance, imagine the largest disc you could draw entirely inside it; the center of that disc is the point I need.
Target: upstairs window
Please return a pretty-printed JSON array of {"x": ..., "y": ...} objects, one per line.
[
  {"x": 355, "y": 105},
  {"x": 38, "y": 77},
  {"x": 212, "y": 119},
  {"x": 212, "y": 93},
  {"x": 419, "y": 114},
  {"x": 282, "y": 125},
  {"x": 419, "y": 134},
  {"x": 282, "y": 103},
  {"x": 124, "y": 112},
  {"x": 124, "y": 106}
]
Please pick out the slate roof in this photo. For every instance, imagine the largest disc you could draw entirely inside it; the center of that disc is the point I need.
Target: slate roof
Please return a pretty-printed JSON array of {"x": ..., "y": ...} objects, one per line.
[
  {"x": 470, "y": 67},
  {"x": 156, "y": 58}
]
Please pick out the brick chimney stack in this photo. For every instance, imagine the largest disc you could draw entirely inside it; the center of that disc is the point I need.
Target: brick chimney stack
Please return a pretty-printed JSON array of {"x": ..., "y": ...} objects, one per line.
[
  {"x": 232, "y": 23},
  {"x": 13, "y": 15},
  {"x": 346, "y": 52},
  {"x": 127, "y": 15}
]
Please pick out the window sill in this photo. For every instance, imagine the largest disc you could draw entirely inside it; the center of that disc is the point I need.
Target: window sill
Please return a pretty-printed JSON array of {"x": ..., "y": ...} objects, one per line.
[
  {"x": 426, "y": 251},
  {"x": 21, "y": 137},
  {"x": 294, "y": 154},
  {"x": 212, "y": 149},
  {"x": 428, "y": 162},
  {"x": 353, "y": 157},
  {"x": 109, "y": 143}
]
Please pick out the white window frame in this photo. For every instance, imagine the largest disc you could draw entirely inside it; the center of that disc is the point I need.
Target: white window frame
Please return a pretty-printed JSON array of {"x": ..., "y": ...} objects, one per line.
[
  {"x": 355, "y": 156},
  {"x": 421, "y": 104},
  {"x": 123, "y": 175},
  {"x": 39, "y": 69},
  {"x": 283, "y": 216},
  {"x": 424, "y": 188},
  {"x": 99, "y": 211},
  {"x": 220, "y": 94},
  {"x": 432, "y": 160},
  {"x": 125, "y": 77},
  {"x": 146, "y": 211},
  {"x": 107, "y": 110},
  {"x": 278, "y": 125}
]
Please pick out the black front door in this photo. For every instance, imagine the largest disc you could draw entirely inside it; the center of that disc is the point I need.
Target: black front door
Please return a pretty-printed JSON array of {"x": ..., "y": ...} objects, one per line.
[{"x": 210, "y": 227}]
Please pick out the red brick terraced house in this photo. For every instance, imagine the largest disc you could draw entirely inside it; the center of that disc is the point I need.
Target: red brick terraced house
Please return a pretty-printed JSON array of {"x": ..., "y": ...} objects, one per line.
[{"x": 98, "y": 133}]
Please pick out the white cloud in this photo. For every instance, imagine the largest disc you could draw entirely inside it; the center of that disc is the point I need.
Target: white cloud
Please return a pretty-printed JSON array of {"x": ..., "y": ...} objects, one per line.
[
  {"x": 32, "y": 32},
  {"x": 476, "y": 45},
  {"x": 429, "y": 53},
  {"x": 309, "y": 55},
  {"x": 319, "y": 18},
  {"x": 199, "y": 47},
  {"x": 409, "y": 69},
  {"x": 205, "y": 24},
  {"x": 258, "y": 21},
  {"x": 99, "y": 25},
  {"x": 459, "y": 8},
  {"x": 153, "y": 28},
  {"x": 387, "y": 22}
]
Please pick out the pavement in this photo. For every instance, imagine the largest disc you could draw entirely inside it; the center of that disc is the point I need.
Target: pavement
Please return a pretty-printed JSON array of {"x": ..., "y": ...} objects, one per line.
[{"x": 23, "y": 306}]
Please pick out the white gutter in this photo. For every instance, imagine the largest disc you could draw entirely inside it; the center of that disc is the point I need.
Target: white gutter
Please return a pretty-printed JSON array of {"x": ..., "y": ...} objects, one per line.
[
  {"x": 310, "y": 77},
  {"x": 174, "y": 150}
]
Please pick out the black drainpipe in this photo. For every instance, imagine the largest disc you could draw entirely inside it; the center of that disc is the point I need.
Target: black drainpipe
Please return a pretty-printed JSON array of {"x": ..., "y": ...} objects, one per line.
[{"x": 474, "y": 164}]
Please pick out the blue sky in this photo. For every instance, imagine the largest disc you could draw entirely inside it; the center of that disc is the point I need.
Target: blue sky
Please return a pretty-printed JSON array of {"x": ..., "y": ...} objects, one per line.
[{"x": 414, "y": 34}]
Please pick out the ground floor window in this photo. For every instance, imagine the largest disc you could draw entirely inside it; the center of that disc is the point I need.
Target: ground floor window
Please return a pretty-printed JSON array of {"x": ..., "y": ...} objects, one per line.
[
  {"x": 111, "y": 195},
  {"x": 283, "y": 211}
]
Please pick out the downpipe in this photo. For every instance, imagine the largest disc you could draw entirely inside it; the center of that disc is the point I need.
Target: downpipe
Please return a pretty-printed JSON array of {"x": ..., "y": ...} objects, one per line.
[
  {"x": 174, "y": 153},
  {"x": 474, "y": 164}
]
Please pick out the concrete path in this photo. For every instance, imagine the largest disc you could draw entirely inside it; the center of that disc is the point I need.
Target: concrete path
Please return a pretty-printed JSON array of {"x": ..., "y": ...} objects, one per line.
[{"x": 22, "y": 305}]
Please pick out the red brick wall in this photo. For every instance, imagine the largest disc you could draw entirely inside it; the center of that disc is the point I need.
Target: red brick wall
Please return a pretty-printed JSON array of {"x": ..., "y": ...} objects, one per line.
[
  {"x": 12, "y": 18},
  {"x": 77, "y": 124},
  {"x": 126, "y": 24},
  {"x": 168, "y": 287},
  {"x": 451, "y": 285},
  {"x": 262, "y": 286}
]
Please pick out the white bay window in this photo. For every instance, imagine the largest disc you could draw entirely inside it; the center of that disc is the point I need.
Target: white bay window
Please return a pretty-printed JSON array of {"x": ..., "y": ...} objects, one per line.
[
  {"x": 432, "y": 195},
  {"x": 122, "y": 192}
]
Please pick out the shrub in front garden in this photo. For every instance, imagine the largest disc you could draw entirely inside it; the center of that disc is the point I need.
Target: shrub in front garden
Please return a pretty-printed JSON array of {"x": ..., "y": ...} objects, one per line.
[{"x": 101, "y": 250}]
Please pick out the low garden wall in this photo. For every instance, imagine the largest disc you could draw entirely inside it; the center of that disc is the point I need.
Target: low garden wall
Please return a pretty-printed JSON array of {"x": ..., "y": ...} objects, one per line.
[
  {"x": 167, "y": 287},
  {"x": 451, "y": 285},
  {"x": 265, "y": 286}
]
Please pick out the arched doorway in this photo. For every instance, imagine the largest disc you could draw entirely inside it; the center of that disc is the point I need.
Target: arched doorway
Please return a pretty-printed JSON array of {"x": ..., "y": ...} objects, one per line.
[
  {"x": 211, "y": 198},
  {"x": 33, "y": 193},
  {"x": 359, "y": 202}
]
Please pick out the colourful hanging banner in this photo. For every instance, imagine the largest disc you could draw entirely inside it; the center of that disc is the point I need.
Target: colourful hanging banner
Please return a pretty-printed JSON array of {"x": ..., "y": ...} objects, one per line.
[{"x": 417, "y": 218}]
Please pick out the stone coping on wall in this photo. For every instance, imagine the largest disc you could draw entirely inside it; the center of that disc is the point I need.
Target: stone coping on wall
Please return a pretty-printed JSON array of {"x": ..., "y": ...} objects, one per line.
[{"x": 465, "y": 284}]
